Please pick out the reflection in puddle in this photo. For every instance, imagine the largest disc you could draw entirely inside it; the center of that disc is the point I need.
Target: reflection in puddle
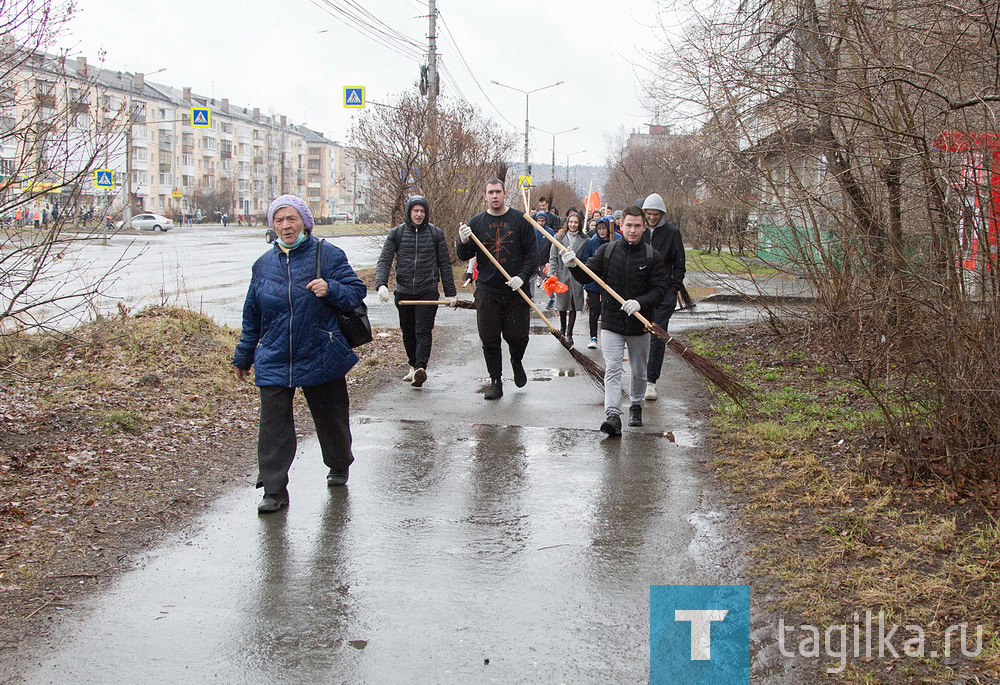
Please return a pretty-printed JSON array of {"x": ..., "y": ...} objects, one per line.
[{"x": 549, "y": 374}]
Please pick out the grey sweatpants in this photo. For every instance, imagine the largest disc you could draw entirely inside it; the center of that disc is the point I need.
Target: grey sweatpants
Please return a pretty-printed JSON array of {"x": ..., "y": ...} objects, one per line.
[{"x": 613, "y": 347}]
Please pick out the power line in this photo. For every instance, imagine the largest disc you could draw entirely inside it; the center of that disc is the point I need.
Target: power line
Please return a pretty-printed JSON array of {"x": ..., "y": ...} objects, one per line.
[
  {"x": 452, "y": 81},
  {"x": 387, "y": 37},
  {"x": 458, "y": 51}
]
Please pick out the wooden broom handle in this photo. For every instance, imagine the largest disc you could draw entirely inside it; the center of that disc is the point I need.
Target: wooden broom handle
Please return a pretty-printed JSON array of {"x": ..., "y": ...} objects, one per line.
[
  {"x": 597, "y": 279},
  {"x": 506, "y": 275}
]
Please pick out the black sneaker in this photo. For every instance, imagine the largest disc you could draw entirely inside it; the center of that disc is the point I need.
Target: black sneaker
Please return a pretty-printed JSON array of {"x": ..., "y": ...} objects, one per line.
[
  {"x": 612, "y": 425},
  {"x": 338, "y": 477},
  {"x": 272, "y": 503},
  {"x": 635, "y": 415},
  {"x": 495, "y": 391},
  {"x": 520, "y": 377}
]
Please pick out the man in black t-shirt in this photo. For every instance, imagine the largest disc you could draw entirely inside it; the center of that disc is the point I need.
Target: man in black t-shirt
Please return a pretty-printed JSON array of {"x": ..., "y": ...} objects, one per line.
[{"x": 500, "y": 310}]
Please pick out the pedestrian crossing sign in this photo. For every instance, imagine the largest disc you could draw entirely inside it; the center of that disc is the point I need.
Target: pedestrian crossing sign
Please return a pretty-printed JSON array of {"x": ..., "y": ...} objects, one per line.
[
  {"x": 354, "y": 96},
  {"x": 104, "y": 178},
  {"x": 201, "y": 116},
  {"x": 525, "y": 182}
]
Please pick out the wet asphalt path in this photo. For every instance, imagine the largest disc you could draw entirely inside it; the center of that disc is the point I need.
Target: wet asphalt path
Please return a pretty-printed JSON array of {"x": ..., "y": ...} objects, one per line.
[{"x": 477, "y": 541}]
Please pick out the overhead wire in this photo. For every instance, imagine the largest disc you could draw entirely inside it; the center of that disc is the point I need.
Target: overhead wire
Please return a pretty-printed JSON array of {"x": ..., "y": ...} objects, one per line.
[
  {"x": 452, "y": 81},
  {"x": 391, "y": 39},
  {"x": 458, "y": 51}
]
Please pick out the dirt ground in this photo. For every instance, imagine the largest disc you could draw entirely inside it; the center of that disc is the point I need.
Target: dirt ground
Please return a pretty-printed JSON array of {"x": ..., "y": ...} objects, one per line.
[{"x": 115, "y": 434}]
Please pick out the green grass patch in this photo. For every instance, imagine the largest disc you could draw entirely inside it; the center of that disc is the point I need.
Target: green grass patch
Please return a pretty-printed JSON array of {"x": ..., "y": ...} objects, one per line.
[{"x": 725, "y": 263}]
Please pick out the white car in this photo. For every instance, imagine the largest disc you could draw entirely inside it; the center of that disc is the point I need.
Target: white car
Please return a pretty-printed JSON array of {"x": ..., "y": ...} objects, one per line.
[
  {"x": 342, "y": 216},
  {"x": 148, "y": 222}
]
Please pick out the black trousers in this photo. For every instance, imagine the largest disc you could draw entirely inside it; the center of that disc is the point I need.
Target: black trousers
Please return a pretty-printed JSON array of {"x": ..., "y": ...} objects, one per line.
[
  {"x": 506, "y": 315},
  {"x": 330, "y": 409},
  {"x": 416, "y": 324},
  {"x": 661, "y": 316},
  {"x": 594, "y": 310}
]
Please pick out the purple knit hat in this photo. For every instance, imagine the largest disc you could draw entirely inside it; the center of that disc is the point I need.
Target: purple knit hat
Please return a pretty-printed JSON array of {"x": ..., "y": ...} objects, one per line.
[{"x": 296, "y": 203}]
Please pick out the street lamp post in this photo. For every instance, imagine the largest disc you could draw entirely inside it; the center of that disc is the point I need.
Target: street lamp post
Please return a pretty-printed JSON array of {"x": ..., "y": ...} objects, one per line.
[
  {"x": 553, "y": 176},
  {"x": 527, "y": 93},
  {"x": 568, "y": 155}
]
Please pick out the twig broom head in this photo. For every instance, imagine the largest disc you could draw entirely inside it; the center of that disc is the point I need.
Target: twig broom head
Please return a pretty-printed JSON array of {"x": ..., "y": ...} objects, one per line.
[
  {"x": 594, "y": 371},
  {"x": 711, "y": 371}
]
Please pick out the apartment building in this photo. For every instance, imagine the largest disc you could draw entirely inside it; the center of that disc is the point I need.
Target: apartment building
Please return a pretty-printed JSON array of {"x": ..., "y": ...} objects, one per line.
[{"x": 97, "y": 118}]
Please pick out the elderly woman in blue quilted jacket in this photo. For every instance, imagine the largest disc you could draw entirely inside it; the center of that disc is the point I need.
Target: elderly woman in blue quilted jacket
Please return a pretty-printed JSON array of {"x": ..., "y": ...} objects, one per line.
[{"x": 291, "y": 337}]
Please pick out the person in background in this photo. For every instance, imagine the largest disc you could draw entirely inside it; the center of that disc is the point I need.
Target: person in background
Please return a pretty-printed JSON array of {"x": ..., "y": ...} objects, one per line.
[
  {"x": 291, "y": 337},
  {"x": 542, "y": 218},
  {"x": 667, "y": 241},
  {"x": 601, "y": 232},
  {"x": 422, "y": 261},
  {"x": 571, "y": 301},
  {"x": 552, "y": 220}
]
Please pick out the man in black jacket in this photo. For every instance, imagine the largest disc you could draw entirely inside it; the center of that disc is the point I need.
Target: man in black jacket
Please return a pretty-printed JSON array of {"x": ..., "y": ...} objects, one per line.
[
  {"x": 665, "y": 239},
  {"x": 422, "y": 260},
  {"x": 635, "y": 271},
  {"x": 500, "y": 310}
]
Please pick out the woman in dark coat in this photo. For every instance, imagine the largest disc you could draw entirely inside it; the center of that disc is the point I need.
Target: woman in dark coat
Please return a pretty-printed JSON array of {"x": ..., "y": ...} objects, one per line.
[{"x": 291, "y": 337}]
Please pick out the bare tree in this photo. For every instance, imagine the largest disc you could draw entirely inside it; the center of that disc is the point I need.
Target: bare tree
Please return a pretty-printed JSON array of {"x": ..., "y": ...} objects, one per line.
[
  {"x": 871, "y": 131},
  {"x": 444, "y": 154},
  {"x": 54, "y": 134}
]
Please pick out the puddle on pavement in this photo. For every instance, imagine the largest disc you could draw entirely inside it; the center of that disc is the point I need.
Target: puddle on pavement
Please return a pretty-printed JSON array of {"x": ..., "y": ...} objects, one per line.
[{"x": 549, "y": 374}]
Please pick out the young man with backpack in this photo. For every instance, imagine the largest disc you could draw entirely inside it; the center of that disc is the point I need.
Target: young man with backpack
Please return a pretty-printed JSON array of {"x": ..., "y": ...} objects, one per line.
[
  {"x": 422, "y": 261},
  {"x": 666, "y": 240},
  {"x": 633, "y": 269}
]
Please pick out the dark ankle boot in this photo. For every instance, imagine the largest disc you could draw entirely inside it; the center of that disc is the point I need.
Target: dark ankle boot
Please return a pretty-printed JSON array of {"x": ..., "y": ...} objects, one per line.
[
  {"x": 495, "y": 391},
  {"x": 635, "y": 415}
]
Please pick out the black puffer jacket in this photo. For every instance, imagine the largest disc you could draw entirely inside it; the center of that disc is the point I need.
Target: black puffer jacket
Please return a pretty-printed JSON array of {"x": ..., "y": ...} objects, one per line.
[
  {"x": 666, "y": 239},
  {"x": 632, "y": 273},
  {"x": 422, "y": 257}
]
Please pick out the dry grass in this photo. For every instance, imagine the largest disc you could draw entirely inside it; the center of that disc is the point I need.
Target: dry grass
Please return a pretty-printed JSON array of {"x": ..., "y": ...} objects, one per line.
[
  {"x": 837, "y": 527},
  {"x": 112, "y": 434}
]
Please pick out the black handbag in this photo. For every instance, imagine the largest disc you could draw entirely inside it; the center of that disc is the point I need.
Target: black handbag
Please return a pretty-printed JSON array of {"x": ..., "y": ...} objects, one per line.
[{"x": 354, "y": 325}]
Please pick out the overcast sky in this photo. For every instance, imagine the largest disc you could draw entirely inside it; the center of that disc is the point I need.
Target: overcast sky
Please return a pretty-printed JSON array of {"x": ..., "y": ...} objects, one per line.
[{"x": 294, "y": 57}]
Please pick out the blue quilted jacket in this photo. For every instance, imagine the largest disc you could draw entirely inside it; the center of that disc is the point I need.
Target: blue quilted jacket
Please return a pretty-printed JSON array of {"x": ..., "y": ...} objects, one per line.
[{"x": 291, "y": 337}]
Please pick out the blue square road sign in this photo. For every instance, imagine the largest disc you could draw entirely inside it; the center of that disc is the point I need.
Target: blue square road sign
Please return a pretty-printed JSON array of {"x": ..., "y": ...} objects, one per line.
[{"x": 354, "y": 96}]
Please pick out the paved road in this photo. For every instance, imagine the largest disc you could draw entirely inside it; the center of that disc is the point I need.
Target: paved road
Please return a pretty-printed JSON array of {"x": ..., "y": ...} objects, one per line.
[
  {"x": 508, "y": 531},
  {"x": 204, "y": 268}
]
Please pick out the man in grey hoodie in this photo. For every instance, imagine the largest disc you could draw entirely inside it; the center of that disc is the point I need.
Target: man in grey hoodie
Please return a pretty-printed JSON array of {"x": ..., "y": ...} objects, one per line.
[
  {"x": 666, "y": 240},
  {"x": 422, "y": 261}
]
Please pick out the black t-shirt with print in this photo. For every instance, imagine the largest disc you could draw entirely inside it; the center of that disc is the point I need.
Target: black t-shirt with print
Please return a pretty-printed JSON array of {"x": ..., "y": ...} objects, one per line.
[{"x": 509, "y": 238}]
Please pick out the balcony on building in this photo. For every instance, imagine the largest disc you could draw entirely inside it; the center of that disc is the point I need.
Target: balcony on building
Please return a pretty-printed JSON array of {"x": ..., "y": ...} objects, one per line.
[
  {"x": 165, "y": 167},
  {"x": 187, "y": 149}
]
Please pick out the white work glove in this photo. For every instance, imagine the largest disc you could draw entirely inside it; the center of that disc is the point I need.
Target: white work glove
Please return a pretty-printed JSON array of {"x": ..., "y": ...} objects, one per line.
[
  {"x": 568, "y": 257},
  {"x": 630, "y": 307},
  {"x": 515, "y": 283},
  {"x": 452, "y": 301},
  {"x": 383, "y": 294},
  {"x": 464, "y": 232}
]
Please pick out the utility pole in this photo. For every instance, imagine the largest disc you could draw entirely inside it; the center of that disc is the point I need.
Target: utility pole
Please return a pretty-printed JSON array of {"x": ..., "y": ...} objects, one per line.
[{"x": 432, "y": 66}]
